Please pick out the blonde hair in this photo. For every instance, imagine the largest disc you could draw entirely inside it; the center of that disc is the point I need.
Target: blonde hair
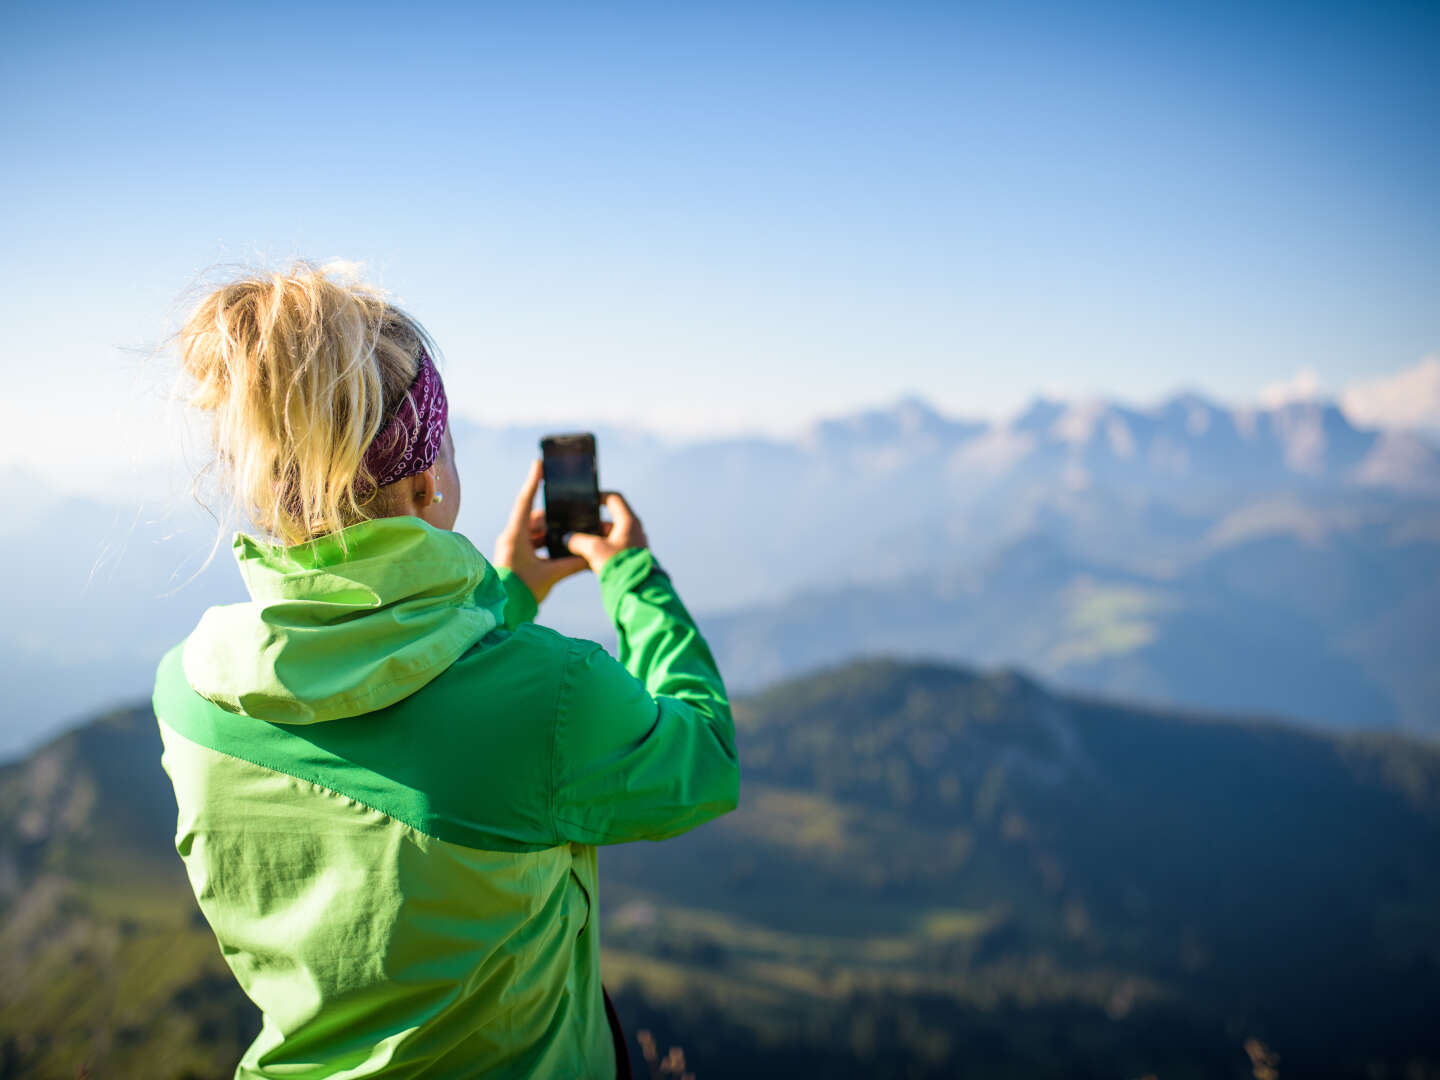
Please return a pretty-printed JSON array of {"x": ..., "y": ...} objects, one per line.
[{"x": 300, "y": 372}]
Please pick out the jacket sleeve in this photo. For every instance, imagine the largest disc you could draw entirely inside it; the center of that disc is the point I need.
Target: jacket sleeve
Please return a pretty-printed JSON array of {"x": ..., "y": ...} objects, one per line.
[
  {"x": 644, "y": 745},
  {"x": 520, "y": 606}
]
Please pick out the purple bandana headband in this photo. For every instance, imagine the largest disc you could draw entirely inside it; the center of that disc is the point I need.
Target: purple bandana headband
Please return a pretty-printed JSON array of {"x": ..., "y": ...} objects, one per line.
[{"x": 410, "y": 442}]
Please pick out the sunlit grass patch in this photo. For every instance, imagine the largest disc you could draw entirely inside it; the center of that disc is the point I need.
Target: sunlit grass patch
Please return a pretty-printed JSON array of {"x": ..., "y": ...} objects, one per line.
[{"x": 1103, "y": 620}]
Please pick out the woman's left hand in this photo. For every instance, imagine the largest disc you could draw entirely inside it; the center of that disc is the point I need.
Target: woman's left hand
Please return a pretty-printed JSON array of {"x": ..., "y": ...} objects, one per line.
[{"x": 518, "y": 545}]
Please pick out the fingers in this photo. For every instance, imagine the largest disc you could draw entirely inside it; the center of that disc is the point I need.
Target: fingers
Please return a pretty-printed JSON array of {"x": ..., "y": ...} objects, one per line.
[
  {"x": 619, "y": 508},
  {"x": 521, "y": 516}
]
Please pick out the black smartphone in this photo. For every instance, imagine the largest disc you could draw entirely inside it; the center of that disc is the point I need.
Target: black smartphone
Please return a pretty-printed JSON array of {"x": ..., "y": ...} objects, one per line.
[{"x": 572, "y": 489}]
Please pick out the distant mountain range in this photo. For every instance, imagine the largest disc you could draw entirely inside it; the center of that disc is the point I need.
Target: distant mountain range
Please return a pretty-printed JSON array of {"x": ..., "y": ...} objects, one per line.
[
  {"x": 903, "y": 488},
  {"x": 1273, "y": 559},
  {"x": 1329, "y": 613},
  {"x": 932, "y": 872}
]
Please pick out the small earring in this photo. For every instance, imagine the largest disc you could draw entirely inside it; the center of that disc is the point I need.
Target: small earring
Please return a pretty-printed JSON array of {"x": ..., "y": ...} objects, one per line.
[{"x": 439, "y": 497}]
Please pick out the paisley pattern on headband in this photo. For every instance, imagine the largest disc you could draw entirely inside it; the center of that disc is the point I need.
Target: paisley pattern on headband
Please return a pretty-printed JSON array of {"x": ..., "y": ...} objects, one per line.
[{"x": 410, "y": 442}]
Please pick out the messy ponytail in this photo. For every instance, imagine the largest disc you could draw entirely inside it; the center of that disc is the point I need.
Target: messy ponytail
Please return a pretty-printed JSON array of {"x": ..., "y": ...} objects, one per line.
[{"x": 300, "y": 372}]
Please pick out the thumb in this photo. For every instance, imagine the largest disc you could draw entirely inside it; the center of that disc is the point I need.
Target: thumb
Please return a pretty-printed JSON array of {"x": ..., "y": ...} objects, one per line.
[
  {"x": 619, "y": 508},
  {"x": 587, "y": 545}
]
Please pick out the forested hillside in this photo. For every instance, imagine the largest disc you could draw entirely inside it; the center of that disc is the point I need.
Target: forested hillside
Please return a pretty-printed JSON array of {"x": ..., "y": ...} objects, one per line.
[{"x": 933, "y": 872}]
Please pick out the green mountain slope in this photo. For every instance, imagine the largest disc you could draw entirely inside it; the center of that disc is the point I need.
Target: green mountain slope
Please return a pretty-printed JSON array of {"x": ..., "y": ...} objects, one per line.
[{"x": 932, "y": 873}]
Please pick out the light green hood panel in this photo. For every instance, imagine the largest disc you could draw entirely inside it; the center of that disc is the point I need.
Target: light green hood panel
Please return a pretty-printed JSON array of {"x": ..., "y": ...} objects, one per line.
[{"x": 328, "y": 634}]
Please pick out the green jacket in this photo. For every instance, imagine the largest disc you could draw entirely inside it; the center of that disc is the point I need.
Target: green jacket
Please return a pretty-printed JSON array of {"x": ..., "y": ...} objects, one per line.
[{"x": 391, "y": 783}]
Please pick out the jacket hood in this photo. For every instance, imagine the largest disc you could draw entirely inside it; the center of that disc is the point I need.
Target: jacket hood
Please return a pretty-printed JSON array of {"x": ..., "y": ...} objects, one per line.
[{"x": 329, "y": 634}]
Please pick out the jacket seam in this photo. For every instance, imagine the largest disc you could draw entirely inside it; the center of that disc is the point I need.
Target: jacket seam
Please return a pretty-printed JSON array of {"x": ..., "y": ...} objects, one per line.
[
  {"x": 327, "y": 789},
  {"x": 578, "y": 649},
  {"x": 561, "y": 695},
  {"x": 296, "y": 775}
]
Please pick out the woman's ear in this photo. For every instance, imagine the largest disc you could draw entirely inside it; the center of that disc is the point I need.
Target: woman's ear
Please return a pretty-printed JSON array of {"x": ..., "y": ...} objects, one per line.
[{"x": 423, "y": 493}]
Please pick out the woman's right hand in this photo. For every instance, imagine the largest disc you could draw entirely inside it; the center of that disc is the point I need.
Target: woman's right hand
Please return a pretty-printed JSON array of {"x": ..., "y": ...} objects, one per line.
[
  {"x": 624, "y": 531},
  {"x": 518, "y": 545}
]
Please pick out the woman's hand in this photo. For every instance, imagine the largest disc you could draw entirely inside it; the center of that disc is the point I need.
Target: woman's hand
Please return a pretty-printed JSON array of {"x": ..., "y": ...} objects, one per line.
[
  {"x": 625, "y": 531},
  {"x": 523, "y": 535}
]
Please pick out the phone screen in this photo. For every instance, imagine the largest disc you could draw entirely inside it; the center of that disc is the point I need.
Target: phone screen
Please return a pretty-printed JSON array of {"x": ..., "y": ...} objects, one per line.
[{"x": 572, "y": 488}]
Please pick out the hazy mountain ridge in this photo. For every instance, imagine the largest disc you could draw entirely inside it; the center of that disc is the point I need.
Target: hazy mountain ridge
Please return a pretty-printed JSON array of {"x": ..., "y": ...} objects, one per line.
[
  {"x": 968, "y": 867},
  {"x": 1280, "y": 608}
]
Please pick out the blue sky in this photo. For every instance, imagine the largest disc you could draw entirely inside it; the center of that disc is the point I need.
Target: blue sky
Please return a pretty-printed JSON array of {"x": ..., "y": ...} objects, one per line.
[{"x": 706, "y": 218}]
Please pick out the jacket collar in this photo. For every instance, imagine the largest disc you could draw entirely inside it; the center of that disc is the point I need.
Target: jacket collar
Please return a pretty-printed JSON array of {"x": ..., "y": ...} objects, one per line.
[{"x": 329, "y": 633}]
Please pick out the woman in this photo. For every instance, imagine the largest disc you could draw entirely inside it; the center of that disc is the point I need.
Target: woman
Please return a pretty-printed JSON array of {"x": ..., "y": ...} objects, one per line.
[{"x": 391, "y": 781}]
